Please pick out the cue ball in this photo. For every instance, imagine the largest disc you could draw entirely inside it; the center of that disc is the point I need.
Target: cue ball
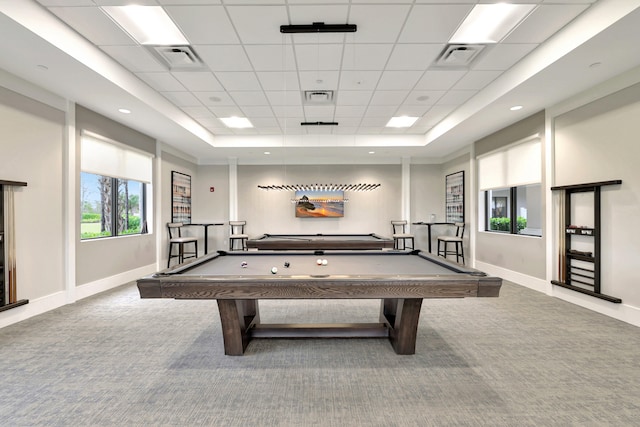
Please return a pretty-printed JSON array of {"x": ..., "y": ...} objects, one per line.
[
  {"x": 243, "y": 264},
  {"x": 319, "y": 261},
  {"x": 325, "y": 262},
  {"x": 274, "y": 270},
  {"x": 286, "y": 264}
]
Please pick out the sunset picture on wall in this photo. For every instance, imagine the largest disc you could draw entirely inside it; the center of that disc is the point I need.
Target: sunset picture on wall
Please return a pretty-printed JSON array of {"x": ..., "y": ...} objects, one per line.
[{"x": 319, "y": 204}]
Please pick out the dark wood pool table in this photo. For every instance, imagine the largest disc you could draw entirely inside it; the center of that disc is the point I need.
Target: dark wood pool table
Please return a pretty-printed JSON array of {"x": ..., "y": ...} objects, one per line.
[
  {"x": 279, "y": 242},
  {"x": 401, "y": 279}
]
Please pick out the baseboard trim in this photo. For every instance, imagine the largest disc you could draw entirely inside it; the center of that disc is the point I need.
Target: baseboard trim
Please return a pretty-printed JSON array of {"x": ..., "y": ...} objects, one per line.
[
  {"x": 101, "y": 285},
  {"x": 623, "y": 312}
]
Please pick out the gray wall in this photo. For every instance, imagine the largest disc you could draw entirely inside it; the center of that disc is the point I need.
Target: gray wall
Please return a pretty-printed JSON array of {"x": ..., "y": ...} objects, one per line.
[
  {"x": 521, "y": 254},
  {"x": 123, "y": 253},
  {"x": 599, "y": 142},
  {"x": 32, "y": 151}
]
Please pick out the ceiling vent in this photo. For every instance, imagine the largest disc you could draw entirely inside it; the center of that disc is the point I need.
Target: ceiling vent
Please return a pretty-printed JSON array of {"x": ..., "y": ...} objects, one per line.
[
  {"x": 181, "y": 57},
  {"x": 458, "y": 55},
  {"x": 318, "y": 97}
]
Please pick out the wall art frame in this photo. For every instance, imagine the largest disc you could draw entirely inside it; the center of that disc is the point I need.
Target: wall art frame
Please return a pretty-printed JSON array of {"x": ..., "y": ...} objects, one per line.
[
  {"x": 454, "y": 197},
  {"x": 180, "y": 197}
]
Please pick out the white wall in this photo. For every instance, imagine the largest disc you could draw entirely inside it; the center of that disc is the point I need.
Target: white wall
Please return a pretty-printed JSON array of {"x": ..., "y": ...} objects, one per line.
[{"x": 427, "y": 197}]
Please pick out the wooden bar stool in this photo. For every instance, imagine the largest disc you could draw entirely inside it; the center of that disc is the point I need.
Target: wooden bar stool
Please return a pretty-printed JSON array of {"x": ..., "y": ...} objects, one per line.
[
  {"x": 457, "y": 241},
  {"x": 400, "y": 234},
  {"x": 176, "y": 239},
  {"x": 237, "y": 234}
]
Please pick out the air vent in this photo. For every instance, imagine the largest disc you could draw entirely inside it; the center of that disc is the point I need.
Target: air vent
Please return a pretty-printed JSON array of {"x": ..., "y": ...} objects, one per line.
[
  {"x": 318, "y": 97},
  {"x": 458, "y": 55},
  {"x": 181, "y": 57}
]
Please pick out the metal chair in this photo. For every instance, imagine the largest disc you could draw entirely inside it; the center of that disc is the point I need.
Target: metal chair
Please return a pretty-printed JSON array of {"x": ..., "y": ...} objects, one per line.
[
  {"x": 400, "y": 234},
  {"x": 237, "y": 234},
  {"x": 457, "y": 243},
  {"x": 176, "y": 239}
]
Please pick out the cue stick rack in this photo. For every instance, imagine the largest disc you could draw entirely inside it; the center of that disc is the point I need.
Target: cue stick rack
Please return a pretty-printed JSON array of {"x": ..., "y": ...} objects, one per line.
[
  {"x": 580, "y": 270},
  {"x": 8, "y": 282}
]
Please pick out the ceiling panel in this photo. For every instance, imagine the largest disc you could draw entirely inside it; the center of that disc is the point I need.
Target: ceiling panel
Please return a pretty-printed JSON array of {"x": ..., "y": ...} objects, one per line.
[
  {"x": 204, "y": 24},
  {"x": 378, "y": 23},
  {"x": 258, "y": 24},
  {"x": 224, "y": 57}
]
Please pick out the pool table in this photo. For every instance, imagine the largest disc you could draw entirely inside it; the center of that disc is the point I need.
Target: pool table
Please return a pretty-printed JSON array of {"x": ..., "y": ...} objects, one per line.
[
  {"x": 320, "y": 242},
  {"x": 400, "y": 279}
]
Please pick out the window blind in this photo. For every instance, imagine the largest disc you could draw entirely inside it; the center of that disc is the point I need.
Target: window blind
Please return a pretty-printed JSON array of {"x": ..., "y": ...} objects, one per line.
[
  {"x": 518, "y": 164},
  {"x": 102, "y": 157}
]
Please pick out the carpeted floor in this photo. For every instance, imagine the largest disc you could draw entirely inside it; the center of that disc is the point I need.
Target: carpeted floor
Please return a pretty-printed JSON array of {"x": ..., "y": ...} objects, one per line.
[{"x": 523, "y": 359}]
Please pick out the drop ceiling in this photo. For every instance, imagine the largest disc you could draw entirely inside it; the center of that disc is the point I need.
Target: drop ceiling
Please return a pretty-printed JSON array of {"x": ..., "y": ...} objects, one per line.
[{"x": 389, "y": 67}]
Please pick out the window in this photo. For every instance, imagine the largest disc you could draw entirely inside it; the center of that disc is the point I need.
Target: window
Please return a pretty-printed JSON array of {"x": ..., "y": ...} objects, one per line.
[
  {"x": 522, "y": 203},
  {"x": 113, "y": 189},
  {"x": 510, "y": 180}
]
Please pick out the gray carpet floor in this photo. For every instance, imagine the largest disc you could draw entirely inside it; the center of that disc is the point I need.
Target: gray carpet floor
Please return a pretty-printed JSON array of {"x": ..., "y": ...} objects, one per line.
[{"x": 524, "y": 359}]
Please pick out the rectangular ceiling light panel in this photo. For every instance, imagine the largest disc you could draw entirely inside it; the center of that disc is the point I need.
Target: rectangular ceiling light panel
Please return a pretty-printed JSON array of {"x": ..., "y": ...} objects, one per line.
[
  {"x": 147, "y": 24},
  {"x": 490, "y": 23}
]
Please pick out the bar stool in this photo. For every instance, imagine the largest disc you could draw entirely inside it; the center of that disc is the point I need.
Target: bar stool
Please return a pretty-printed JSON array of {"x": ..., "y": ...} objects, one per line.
[
  {"x": 175, "y": 238},
  {"x": 457, "y": 241},
  {"x": 400, "y": 234},
  {"x": 237, "y": 234}
]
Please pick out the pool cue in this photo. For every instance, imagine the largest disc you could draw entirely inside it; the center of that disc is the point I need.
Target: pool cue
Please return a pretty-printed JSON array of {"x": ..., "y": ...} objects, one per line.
[
  {"x": 11, "y": 247},
  {"x": 562, "y": 256}
]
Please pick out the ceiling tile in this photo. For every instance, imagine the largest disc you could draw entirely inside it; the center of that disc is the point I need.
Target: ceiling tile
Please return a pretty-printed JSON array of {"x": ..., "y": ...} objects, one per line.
[
  {"x": 456, "y": 97},
  {"x": 349, "y": 121},
  {"x": 389, "y": 97},
  {"x": 238, "y": 80},
  {"x": 320, "y": 113},
  {"x": 216, "y": 98},
  {"x": 134, "y": 58},
  {"x": 163, "y": 82},
  {"x": 319, "y": 57},
  {"x": 433, "y": 23},
  {"x": 353, "y": 97},
  {"x": 413, "y": 56},
  {"x": 263, "y": 121},
  {"x": 198, "y": 112},
  {"x": 182, "y": 99},
  {"x": 318, "y": 80},
  {"x": 271, "y": 57},
  {"x": 377, "y": 23},
  {"x": 424, "y": 97},
  {"x": 439, "y": 79},
  {"x": 203, "y": 24},
  {"x": 197, "y": 81},
  {"x": 381, "y": 111},
  {"x": 224, "y": 57},
  {"x": 249, "y": 98},
  {"x": 308, "y": 14},
  {"x": 279, "y": 97},
  {"x": 476, "y": 80},
  {"x": 288, "y": 111},
  {"x": 350, "y": 110},
  {"x": 226, "y": 111},
  {"x": 394, "y": 80},
  {"x": 502, "y": 56},
  {"x": 366, "y": 56},
  {"x": 257, "y": 111},
  {"x": 412, "y": 110},
  {"x": 359, "y": 80},
  {"x": 278, "y": 80},
  {"x": 258, "y": 24}
]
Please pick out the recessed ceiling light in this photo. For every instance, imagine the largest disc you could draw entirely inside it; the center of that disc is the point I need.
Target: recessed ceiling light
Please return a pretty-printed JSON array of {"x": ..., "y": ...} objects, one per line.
[
  {"x": 124, "y": 111},
  {"x": 372, "y": 152},
  {"x": 490, "y": 23},
  {"x": 401, "y": 122},
  {"x": 267, "y": 152},
  {"x": 516, "y": 108},
  {"x": 236, "y": 122},
  {"x": 147, "y": 24}
]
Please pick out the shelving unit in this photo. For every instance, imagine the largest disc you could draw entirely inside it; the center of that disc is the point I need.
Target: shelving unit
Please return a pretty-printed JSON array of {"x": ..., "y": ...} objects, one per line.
[
  {"x": 580, "y": 270},
  {"x": 5, "y": 302}
]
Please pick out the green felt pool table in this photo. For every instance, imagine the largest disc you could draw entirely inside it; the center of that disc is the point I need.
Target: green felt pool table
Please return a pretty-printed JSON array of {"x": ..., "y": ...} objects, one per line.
[{"x": 400, "y": 279}]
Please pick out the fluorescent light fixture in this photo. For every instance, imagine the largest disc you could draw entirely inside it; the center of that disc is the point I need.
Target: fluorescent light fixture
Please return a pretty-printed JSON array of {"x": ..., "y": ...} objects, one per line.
[
  {"x": 236, "y": 122},
  {"x": 490, "y": 23},
  {"x": 147, "y": 24},
  {"x": 401, "y": 122}
]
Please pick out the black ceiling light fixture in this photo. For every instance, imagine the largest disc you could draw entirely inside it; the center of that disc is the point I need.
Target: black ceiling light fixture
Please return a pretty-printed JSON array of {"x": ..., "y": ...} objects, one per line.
[
  {"x": 318, "y": 123},
  {"x": 319, "y": 27}
]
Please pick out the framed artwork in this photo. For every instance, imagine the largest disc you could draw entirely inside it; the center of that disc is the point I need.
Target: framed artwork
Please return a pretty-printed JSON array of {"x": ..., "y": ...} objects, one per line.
[
  {"x": 454, "y": 197},
  {"x": 319, "y": 204},
  {"x": 498, "y": 207},
  {"x": 180, "y": 197}
]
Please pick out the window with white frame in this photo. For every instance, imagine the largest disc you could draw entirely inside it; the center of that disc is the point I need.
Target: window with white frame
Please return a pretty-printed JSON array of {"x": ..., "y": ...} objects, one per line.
[
  {"x": 114, "y": 182},
  {"x": 510, "y": 186}
]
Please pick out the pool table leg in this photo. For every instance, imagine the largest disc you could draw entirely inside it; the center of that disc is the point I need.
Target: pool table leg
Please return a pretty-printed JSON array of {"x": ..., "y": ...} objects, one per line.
[
  {"x": 402, "y": 316},
  {"x": 237, "y": 316}
]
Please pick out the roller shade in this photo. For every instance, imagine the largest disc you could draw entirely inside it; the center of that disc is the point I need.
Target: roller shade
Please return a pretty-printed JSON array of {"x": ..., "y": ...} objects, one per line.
[
  {"x": 102, "y": 157},
  {"x": 518, "y": 164}
]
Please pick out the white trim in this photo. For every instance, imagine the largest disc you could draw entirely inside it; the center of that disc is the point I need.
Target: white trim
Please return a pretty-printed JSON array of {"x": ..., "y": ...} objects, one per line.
[
  {"x": 70, "y": 210},
  {"x": 33, "y": 308},
  {"x": 101, "y": 285},
  {"x": 622, "y": 312}
]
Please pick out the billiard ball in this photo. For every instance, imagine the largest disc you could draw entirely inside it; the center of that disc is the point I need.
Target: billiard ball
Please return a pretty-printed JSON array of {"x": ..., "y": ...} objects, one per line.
[
  {"x": 286, "y": 264},
  {"x": 274, "y": 270},
  {"x": 243, "y": 264},
  {"x": 319, "y": 261},
  {"x": 325, "y": 262}
]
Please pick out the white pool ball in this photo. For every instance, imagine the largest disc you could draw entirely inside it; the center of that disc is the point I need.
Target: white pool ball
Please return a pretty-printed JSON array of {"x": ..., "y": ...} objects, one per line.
[
  {"x": 319, "y": 261},
  {"x": 274, "y": 270},
  {"x": 325, "y": 262}
]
